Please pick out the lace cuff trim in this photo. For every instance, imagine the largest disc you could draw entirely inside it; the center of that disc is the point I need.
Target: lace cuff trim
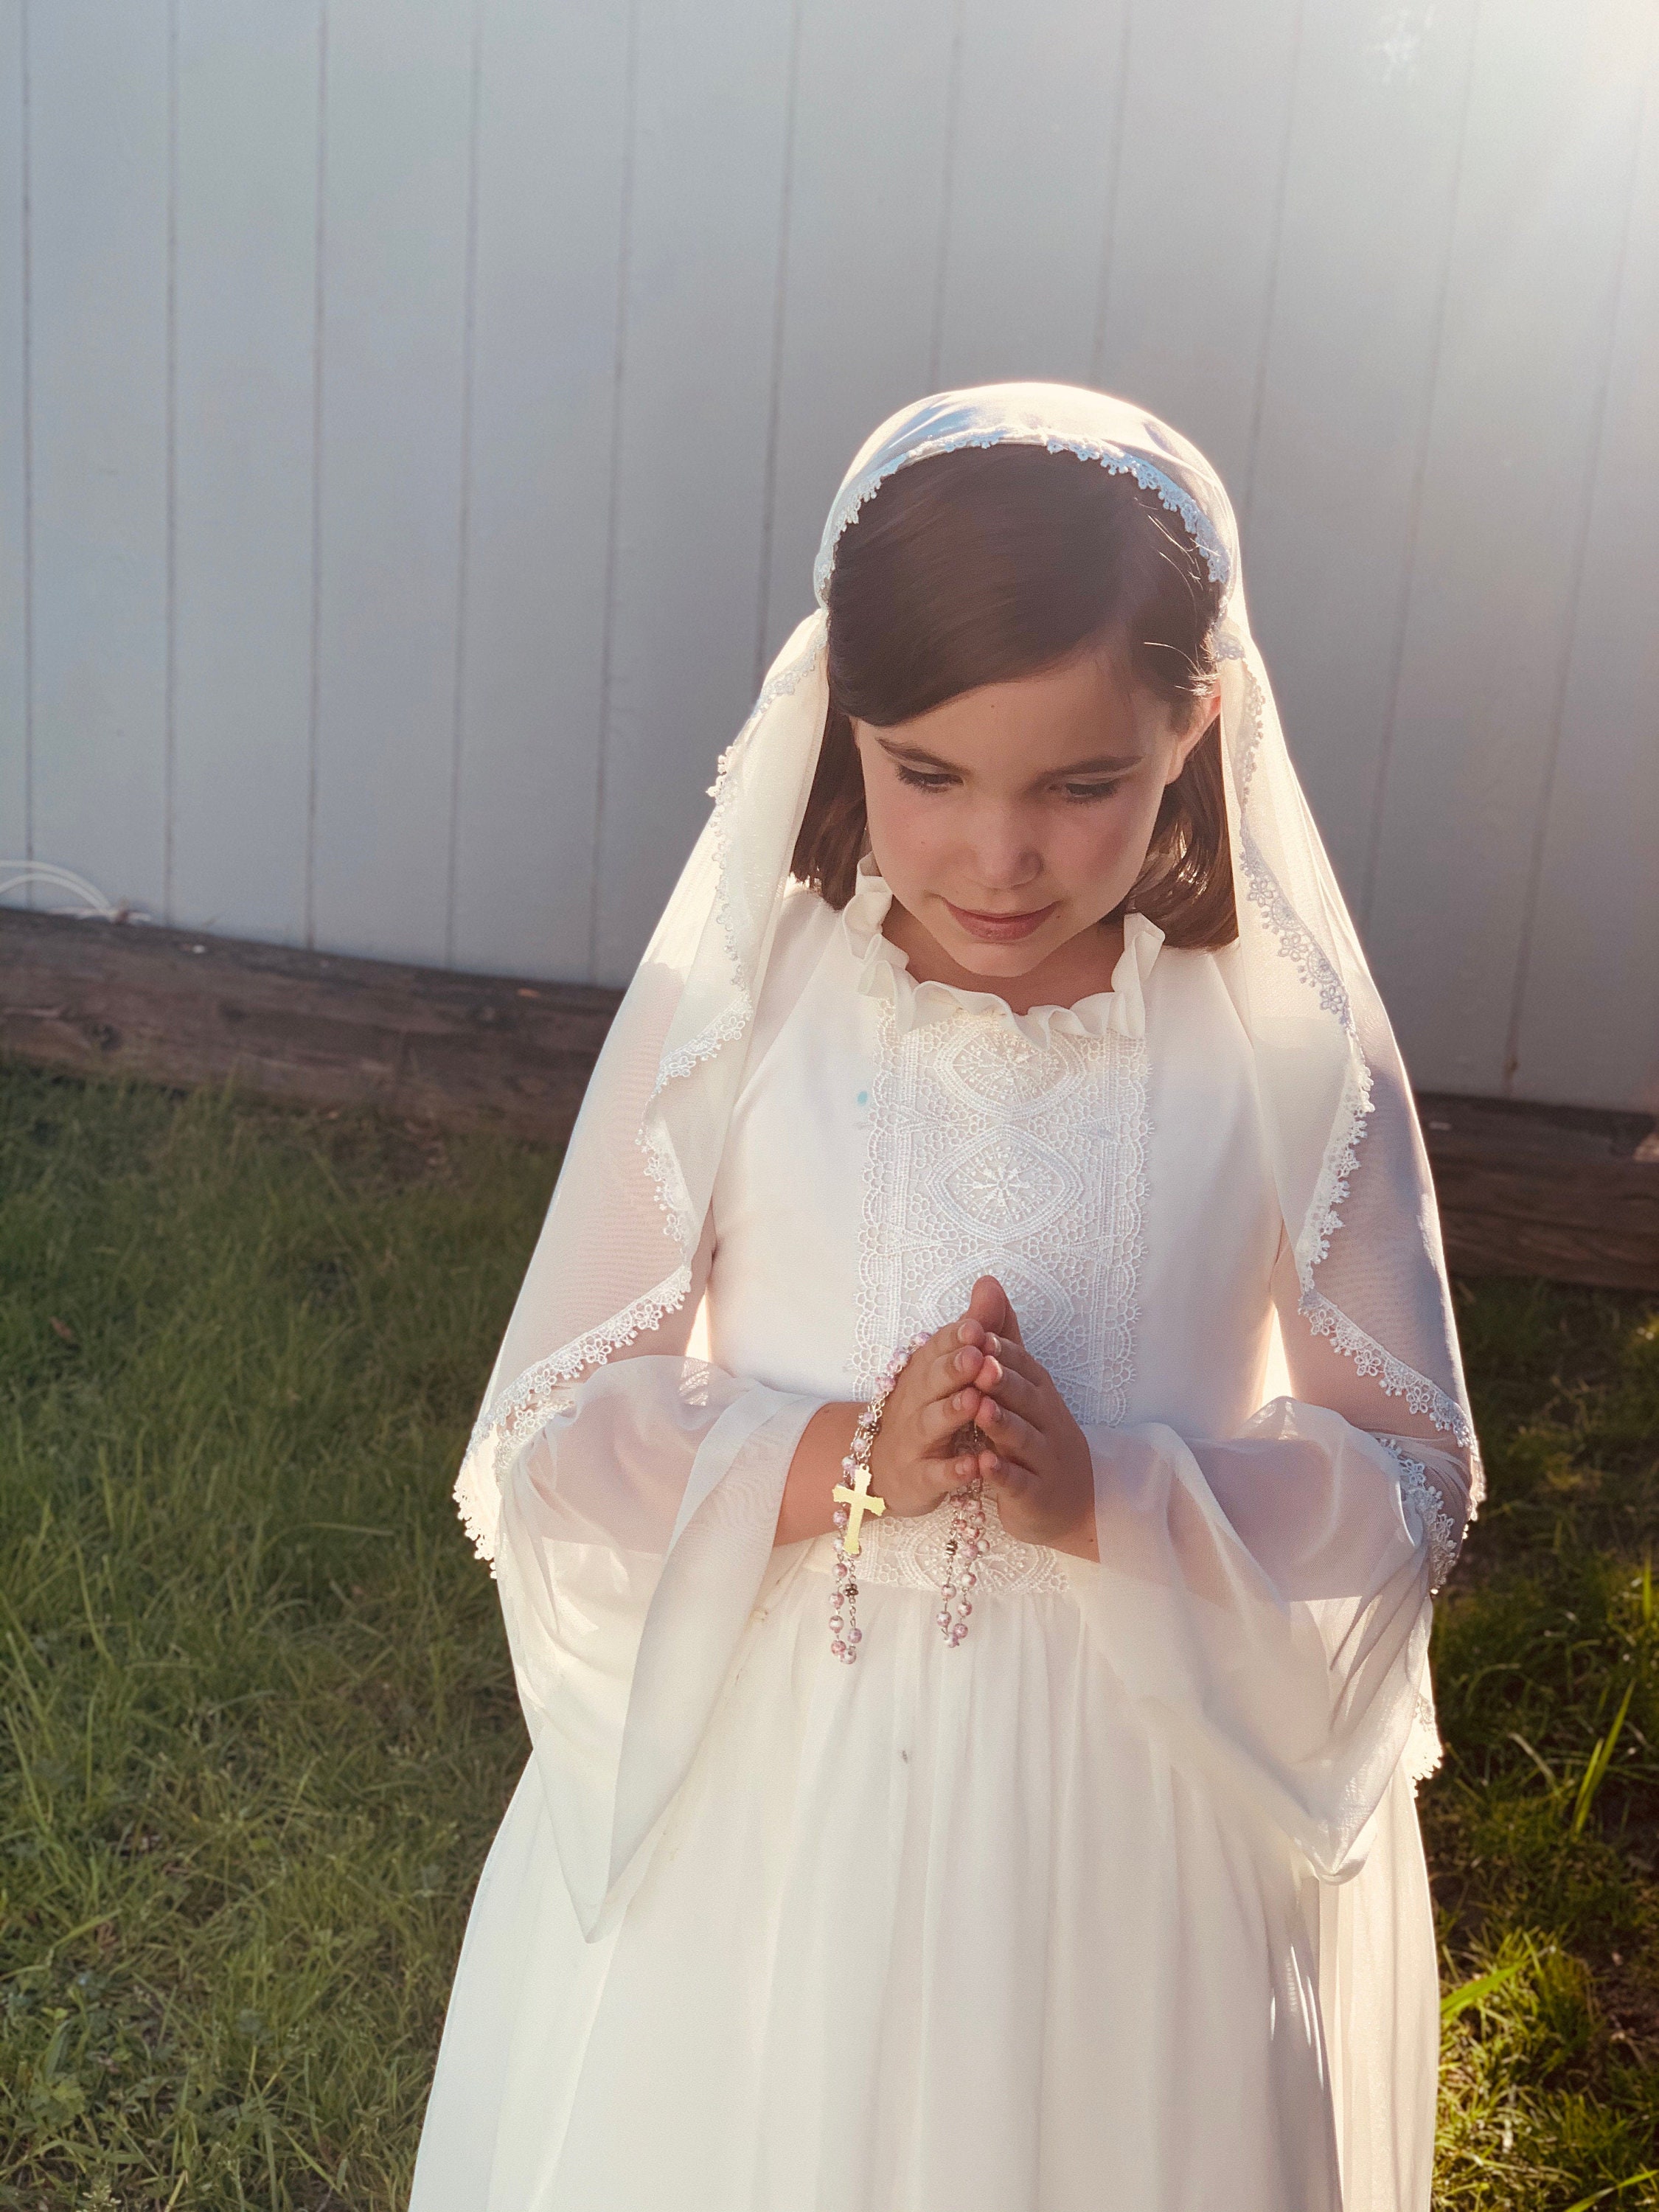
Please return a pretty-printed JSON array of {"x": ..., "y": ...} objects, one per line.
[
  {"x": 1423, "y": 1750},
  {"x": 1428, "y": 1509}
]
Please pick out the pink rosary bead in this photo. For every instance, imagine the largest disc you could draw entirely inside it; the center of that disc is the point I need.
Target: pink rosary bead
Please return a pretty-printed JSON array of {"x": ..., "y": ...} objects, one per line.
[
  {"x": 964, "y": 1547},
  {"x": 845, "y": 1634}
]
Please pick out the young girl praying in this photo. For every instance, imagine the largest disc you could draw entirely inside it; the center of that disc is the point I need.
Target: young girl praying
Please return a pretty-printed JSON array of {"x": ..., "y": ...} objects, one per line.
[{"x": 967, "y": 1467}]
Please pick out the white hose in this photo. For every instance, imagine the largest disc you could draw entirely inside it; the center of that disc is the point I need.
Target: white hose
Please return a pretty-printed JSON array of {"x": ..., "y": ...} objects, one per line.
[{"x": 92, "y": 905}]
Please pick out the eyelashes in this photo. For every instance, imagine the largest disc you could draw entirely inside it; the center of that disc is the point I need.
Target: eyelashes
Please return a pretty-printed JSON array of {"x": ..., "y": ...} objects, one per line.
[{"x": 1075, "y": 794}]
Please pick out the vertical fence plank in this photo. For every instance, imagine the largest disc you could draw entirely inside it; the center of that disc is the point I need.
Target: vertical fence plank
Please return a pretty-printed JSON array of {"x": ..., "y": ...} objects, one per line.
[
  {"x": 1035, "y": 154},
  {"x": 1547, "y": 178},
  {"x": 14, "y": 417},
  {"x": 246, "y": 227},
  {"x": 99, "y": 196},
  {"x": 1196, "y": 213},
  {"x": 1587, "y": 1025},
  {"x": 866, "y": 210},
  {"x": 552, "y": 155},
  {"x": 394, "y": 231},
  {"x": 1380, "y": 281},
  {"x": 712, "y": 102},
  {"x": 1326, "y": 500}
]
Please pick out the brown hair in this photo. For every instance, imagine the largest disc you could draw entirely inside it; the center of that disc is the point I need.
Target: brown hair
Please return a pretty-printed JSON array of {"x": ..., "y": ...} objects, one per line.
[{"x": 998, "y": 562}]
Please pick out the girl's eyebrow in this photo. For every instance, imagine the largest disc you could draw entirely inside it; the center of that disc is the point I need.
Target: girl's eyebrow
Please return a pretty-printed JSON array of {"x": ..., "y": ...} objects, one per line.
[{"x": 1097, "y": 764}]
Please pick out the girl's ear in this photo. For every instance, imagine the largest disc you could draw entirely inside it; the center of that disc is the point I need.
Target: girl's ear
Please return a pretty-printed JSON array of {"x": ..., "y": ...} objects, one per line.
[{"x": 1207, "y": 708}]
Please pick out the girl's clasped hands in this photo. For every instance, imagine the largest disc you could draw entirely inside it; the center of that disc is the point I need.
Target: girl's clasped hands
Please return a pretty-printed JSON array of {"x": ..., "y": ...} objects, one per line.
[{"x": 973, "y": 1401}]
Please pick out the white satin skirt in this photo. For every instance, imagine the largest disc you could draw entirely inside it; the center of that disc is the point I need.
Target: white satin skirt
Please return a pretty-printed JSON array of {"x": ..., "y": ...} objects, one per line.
[{"x": 942, "y": 1931}]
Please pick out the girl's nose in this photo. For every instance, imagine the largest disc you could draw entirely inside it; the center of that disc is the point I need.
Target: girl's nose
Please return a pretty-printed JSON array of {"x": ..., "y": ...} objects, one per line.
[{"x": 1002, "y": 856}]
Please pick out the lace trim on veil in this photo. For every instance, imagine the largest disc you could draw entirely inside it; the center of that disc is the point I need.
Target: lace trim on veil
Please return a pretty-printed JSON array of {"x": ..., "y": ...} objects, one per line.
[
  {"x": 736, "y": 1019},
  {"x": 1298, "y": 944},
  {"x": 733, "y": 1021},
  {"x": 1199, "y": 527},
  {"x": 542, "y": 1389}
]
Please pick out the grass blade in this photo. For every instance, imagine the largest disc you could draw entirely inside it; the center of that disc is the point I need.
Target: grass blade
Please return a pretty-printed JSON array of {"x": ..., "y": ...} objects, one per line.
[
  {"x": 1613, "y": 2188},
  {"x": 1600, "y": 1759},
  {"x": 1482, "y": 1987}
]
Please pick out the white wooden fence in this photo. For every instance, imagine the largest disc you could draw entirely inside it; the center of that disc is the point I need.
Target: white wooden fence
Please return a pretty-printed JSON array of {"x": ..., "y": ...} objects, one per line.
[{"x": 416, "y": 418}]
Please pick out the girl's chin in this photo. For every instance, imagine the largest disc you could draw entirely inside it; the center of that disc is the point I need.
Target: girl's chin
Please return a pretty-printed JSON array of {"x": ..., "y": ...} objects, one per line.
[{"x": 1004, "y": 965}]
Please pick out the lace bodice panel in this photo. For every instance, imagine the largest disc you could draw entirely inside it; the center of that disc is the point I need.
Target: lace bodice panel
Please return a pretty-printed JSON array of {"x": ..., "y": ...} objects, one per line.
[
  {"x": 990, "y": 1151},
  {"x": 894, "y": 1140}
]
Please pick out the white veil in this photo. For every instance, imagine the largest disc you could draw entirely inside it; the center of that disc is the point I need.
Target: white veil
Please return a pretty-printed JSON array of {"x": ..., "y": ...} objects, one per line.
[{"x": 617, "y": 1252}]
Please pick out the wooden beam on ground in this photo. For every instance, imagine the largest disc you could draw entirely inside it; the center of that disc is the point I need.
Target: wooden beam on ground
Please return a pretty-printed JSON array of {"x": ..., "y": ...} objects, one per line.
[
  {"x": 1533, "y": 1190},
  {"x": 317, "y": 1028},
  {"x": 1560, "y": 1191}
]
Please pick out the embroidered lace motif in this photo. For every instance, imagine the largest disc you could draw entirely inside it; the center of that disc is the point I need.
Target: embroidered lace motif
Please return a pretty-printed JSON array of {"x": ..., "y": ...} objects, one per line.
[
  {"x": 1427, "y": 1508},
  {"x": 994, "y": 1151},
  {"x": 912, "y": 1551}
]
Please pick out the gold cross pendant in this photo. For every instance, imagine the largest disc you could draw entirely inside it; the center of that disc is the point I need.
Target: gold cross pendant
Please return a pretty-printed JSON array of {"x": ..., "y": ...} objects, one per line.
[{"x": 858, "y": 1502}]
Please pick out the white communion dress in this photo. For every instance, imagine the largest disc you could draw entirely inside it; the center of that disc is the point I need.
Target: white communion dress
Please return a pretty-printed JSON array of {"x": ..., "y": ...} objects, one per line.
[{"x": 1118, "y": 1906}]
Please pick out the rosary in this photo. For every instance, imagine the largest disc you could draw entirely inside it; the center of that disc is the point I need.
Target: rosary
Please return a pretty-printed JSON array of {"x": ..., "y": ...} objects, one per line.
[{"x": 853, "y": 1499}]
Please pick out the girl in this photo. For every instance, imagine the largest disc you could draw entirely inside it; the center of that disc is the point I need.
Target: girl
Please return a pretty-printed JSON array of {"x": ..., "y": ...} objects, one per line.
[{"x": 973, "y": 1734}]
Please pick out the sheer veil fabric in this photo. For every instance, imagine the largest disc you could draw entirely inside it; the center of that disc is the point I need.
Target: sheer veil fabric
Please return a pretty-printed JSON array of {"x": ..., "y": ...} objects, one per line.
[{"x": 616, "y": 1254}]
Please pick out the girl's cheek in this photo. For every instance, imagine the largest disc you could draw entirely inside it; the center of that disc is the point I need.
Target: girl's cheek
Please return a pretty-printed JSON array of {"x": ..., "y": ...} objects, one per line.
[
  {"x": 915, "y": 834},
  {"x": 1100, "y": 842},
  {"x": 909, "y": 830},
  {"x": 899, "y": 825}
]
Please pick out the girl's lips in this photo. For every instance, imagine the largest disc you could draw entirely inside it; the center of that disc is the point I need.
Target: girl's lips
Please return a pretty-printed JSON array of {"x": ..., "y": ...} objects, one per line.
[{"x": 1001, "y": 928}]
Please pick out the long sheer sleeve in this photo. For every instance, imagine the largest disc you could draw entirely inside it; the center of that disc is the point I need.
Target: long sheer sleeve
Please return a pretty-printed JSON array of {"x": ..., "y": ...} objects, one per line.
[
  {"x": 1434, "y": 1471},
  {"x": 1269, "y": 1596},
  {"x": 636, "y": 1525}
]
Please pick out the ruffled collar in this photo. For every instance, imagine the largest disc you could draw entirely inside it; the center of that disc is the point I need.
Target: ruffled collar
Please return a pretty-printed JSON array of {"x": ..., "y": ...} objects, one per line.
[{"x": 884, "y": 972}]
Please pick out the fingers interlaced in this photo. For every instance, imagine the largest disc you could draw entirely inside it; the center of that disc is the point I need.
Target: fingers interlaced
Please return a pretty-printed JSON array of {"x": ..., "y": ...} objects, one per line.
[
  {"x": 1018, "y": 1361},
  {"x": 940, "y": 1420},
  {"x": 1008, "y": 1387},
  {"x": 1009, "y": 1428},
  {"x": 1001, "y": 1389}
]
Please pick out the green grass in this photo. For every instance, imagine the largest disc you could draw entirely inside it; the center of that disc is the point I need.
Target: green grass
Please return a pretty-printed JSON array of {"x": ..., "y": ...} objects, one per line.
[
  {"x": 260, "y": 1722},
  {"x": 1543, "y": 1829},
  {"x": 260, "y": 1726}
]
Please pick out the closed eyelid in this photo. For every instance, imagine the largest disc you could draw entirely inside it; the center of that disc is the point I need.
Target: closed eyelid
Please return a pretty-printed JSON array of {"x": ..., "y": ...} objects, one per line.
[{"x": 1077, "y": 789}]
